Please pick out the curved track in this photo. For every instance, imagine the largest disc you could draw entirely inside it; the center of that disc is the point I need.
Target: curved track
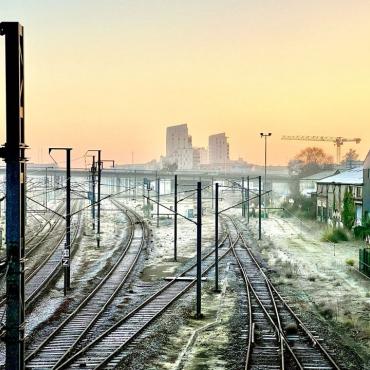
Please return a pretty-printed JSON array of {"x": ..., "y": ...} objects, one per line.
[
  {"x": 57, "y": 347},
  {"x": 47, "y": 269},
  {"x": 39, "y": 236}
]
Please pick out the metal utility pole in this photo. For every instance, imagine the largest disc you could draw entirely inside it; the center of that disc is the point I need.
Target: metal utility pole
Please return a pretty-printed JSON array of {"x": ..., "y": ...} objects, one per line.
[
  {"x": 14, "y": 154},
  {"x": 259, "y": 207},
  {"x": 216, "y": 238},
  {"x": 175, "y": 221},
  {"x": 143, "y": 191},
  {"x": 99, "y": 164},
  {"x": 148, "y": 201},
  {"x": 158, "y": 198},
  {"x": 135, "y": 184},
  {"x": 46, "y": 187},
  {"x": 199, "y": 250},
  {"x": 243, "y": 195},
  {"x": 99, "y": 193},
  {"x": 212, "y": 195},
  {"x": 264, "y": 182},
  {"x": 100, "y": 168},
  {"x": 93, "y": 171},
  {"x": 67, "y": 246},
  {"x": 248, "y": 199}
]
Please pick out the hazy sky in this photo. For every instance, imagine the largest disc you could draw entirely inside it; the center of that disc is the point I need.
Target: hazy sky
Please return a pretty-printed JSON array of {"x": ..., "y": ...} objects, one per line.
[{"x": 113, "y": 74}]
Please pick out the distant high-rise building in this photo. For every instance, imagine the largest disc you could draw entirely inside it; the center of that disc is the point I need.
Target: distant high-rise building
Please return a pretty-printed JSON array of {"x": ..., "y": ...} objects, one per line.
[
  {"x": 200, "y": 156},
  {"x": 218, "y": 149},
  {"x": 177, "y": 138}
]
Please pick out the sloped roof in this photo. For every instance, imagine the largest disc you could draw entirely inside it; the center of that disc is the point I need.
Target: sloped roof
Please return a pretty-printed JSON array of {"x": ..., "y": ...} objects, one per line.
[
  {"x": 367, "y": 161},
  {"x": 321, "y": 175},
  {"x": 350, "y": 177}
]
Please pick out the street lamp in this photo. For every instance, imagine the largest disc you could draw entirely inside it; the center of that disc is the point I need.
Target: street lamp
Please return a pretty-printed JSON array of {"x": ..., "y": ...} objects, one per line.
[{"x": 263, "y": 135}]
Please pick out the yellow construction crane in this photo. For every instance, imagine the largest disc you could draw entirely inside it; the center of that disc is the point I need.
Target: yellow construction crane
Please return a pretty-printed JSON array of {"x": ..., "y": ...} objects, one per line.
[{"x": 338, "y": 141}]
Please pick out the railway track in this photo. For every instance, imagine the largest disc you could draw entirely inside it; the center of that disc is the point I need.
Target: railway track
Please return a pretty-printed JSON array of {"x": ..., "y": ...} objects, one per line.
[
  {"x": 39, "y": 278},
  {"x": 109, "y": 349},
  {"x": 57, "y": 347},
  {"x": 37, "y": 239},
  {"x": 277, "y": 338}
]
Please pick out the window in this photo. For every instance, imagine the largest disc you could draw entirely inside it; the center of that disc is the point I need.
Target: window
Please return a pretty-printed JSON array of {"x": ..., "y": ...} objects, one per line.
[{"x": 358, "y": 192}]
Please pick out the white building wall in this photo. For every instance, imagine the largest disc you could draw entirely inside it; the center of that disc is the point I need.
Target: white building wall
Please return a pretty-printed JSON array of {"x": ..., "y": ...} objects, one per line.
[{"x": 185, "y": 159}]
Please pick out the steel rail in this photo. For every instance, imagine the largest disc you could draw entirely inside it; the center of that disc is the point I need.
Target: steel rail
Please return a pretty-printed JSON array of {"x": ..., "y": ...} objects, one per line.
[
  {"x": 271, "y": 287},
  {"x": 279, "y": 333},
  {"x": 87, "y": 300},
  {"x": 54, "y": 269},
  {"x": 110, "y": 299},
  {"x": 278, "y": 330},
  {"x": 31, "y": 296},
  {"x": 29, "y": 250},
  {"x": 141, "y": 306},
  {"x": 301, "y": 324}
]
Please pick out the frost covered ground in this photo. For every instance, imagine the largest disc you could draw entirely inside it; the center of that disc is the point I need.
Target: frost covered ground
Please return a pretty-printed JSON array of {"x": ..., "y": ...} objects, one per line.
[{"x": 316, "y": 276}]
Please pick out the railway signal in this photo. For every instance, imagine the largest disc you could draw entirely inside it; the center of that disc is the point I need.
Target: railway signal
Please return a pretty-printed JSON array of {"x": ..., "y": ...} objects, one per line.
[{"x": 14, "y": 154}]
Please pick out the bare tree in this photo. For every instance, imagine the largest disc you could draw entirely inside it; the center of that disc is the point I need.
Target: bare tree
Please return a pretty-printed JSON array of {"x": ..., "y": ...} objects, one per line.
[
  {"x": 310, "y": 160},
  {"x": 351, "y": 155}
]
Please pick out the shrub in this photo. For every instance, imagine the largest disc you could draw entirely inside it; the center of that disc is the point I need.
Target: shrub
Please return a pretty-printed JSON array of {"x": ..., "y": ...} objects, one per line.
[
  {"x": 350, "y": 261},
  {"x": 325, "y": 310},
  {"x": 334, "y": 235},
  {"x": 360, "y": 232},
  {"x": 349, "y": 211}
]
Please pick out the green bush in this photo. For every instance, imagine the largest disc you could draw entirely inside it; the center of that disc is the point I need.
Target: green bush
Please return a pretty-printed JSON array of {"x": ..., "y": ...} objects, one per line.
[
  {"x": 334, "y": 235},
  {"x": 360, "y": 232},
  {"x": 349, "y": 210},
  {"x": 350, "y": 261}
]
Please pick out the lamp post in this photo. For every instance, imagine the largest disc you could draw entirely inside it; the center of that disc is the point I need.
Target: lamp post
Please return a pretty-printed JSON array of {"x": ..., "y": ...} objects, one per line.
[{"x": 263, "y": 135}]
